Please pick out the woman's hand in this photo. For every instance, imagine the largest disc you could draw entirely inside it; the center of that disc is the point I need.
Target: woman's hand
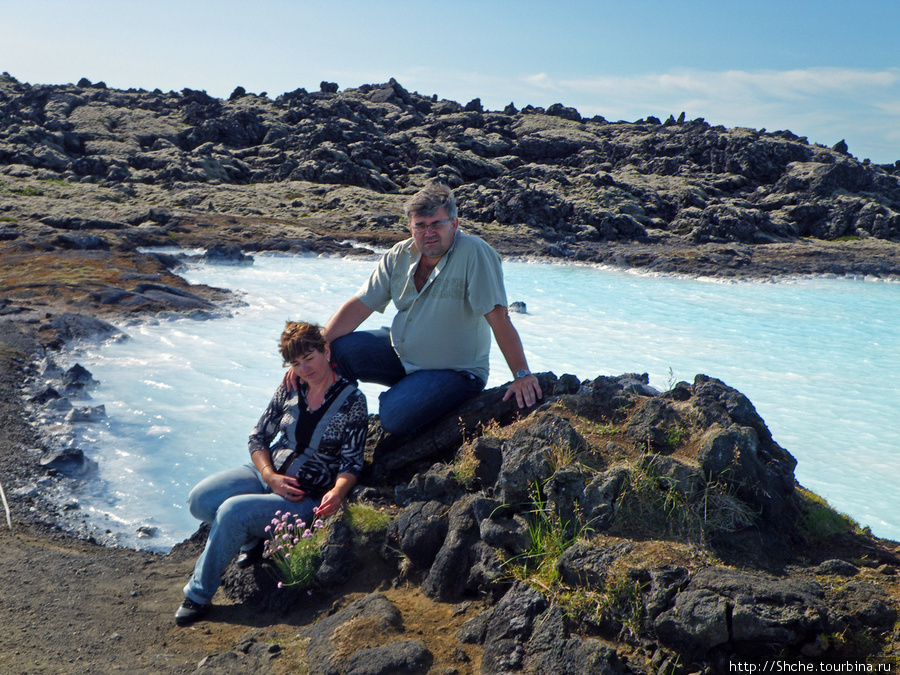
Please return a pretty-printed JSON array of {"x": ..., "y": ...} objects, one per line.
[
  {"x": 284, "y": 486},
  {"x": 331, "y": 502}
]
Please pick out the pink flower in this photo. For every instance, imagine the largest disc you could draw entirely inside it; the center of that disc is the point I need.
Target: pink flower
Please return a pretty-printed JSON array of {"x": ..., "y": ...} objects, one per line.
[
  {"x": 307, "y": 534},
  {"x": 278, "y": 512},
  {"x": 268, "y": 528},
  {"x": 319, "y": 524},
  {"x": 280, "y": 585}
]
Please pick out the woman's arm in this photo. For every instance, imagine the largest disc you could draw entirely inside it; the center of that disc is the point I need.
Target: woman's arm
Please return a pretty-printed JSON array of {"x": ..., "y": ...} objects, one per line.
[
  {"x": 261, "y": 439},
  {"x": 332, "y": 500},
  {"x": 283, "y": 486},
  {"x": 351, "y": 460}
]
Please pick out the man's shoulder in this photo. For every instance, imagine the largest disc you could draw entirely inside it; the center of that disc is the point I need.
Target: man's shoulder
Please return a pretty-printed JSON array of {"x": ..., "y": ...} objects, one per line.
[
  {"x": 398, "y": 253},
  {"x": 399, "y": 250},
  {"x": 472, "y": 242},
  {"x": 402, "y": 246}
]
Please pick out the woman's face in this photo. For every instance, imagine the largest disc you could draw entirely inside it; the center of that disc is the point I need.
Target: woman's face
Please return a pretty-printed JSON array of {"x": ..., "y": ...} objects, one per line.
[{"x": 313, "y": 366}]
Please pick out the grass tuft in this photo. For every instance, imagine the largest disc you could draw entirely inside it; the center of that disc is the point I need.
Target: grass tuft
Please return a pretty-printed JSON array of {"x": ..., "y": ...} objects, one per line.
[
  {"x": 366, "y": 519},
  {"x": 549, "y": 539},
  {"x": 651, "y": 507},
  {"x": 465, "y": 465},
  {"x": 819, "y": 521},
  {"x": 618, "y": 602}
]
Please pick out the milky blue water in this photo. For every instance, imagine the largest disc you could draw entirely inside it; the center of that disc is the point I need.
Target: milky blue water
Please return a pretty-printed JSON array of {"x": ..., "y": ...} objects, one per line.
[{"x": 819, "y": 358}]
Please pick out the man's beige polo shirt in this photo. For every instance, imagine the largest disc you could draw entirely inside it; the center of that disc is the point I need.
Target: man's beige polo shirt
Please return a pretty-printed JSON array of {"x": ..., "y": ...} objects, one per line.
[{"x": 443, "y": 326}]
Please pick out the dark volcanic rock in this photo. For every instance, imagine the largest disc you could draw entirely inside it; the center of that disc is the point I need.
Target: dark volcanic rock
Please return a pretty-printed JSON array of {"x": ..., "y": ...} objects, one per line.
[
  {"x": 567, "y": 183},
  {"x": 373, "y": 615},
  {"x": 720, "y": 606},
  {"x": 70, "y": 461}
]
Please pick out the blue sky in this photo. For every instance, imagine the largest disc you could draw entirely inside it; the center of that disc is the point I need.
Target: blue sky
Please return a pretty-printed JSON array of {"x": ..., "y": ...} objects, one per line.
[{"x": 824, "y": 69}]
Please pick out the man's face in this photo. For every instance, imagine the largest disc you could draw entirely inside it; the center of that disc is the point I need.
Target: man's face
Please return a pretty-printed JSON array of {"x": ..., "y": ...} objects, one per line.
[{"x": 433, "y": 234}]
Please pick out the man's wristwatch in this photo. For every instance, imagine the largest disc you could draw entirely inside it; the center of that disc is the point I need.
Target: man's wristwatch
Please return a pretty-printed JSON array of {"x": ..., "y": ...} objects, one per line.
[{"x": 522, "y": 373}]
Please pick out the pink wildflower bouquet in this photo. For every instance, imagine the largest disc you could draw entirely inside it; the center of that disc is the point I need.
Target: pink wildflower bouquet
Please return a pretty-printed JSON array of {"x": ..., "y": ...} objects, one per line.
[{"x": 293, "y": 548}]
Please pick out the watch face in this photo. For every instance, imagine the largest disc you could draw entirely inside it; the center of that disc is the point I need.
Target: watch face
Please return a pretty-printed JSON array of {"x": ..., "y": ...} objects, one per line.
[{"x": 522, "y": 373}]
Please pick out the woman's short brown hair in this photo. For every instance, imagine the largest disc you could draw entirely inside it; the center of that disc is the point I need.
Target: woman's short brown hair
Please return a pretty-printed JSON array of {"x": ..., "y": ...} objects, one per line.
[{"x": 299, "y": 338}]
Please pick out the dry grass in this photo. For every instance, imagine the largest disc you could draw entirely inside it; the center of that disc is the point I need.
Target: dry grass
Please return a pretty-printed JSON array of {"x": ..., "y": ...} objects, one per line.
[{"x": 650, "y": 508}]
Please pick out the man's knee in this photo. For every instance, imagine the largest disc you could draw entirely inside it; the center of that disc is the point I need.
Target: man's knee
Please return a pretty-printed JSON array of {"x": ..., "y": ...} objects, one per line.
[
  {"x": 397, "y": 422},
  {"x": 347, "y": 353}
]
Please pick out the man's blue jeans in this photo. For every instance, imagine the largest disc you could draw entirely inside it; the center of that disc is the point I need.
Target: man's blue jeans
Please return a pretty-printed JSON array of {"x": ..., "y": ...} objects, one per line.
[
  {"x": 413, "y": 400},
  {"x": 239, "y": 506}
]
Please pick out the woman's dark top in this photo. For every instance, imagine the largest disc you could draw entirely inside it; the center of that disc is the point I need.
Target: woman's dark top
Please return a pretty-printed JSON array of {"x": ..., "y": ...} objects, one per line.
[{"x": 314, "y": 446}]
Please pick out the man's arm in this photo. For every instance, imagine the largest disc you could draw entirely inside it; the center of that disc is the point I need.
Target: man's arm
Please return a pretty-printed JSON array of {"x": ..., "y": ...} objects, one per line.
[
  {"x": 346, "y": 320},
  {"x": 526, "y": 389}
]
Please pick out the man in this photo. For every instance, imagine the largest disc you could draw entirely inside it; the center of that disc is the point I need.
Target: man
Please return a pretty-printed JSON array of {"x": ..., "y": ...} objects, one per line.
[{"x": 448, "y": 289}]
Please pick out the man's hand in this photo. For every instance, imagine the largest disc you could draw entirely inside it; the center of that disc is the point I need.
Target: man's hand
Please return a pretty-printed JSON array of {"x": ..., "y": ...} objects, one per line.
[
  {"x": 291, "y": 381},
  {"x": 527, "y": 391}
]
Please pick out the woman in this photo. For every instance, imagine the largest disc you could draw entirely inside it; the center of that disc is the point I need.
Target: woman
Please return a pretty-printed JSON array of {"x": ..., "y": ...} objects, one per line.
[{"x": 307, "y": 471}]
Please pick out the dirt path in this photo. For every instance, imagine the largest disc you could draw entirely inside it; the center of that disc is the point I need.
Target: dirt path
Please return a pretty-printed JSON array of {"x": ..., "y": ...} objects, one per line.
[{"x": 71, "y": 607}]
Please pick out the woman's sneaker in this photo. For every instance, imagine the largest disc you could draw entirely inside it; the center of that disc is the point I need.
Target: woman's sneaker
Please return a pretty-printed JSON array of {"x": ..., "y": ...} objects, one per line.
[
  {"x": 250, "y": 557},
  {"x": 189, "y": 612}
]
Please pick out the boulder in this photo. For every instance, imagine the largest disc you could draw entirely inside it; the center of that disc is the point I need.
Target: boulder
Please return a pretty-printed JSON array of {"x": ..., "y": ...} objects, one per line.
[
  {"x": 599, "y": 498},
  {"x": 86, "y": 414},
  {"x": 378, "y": 619},
  {"x": 338, "y": 559},
  {"x": 526, "y": 464},
  {"x": 70, "y": 328},
  {"x": 587, "y": 565},
  {"x": 553, "y": 649},
  {"x": 509, "y": 627},
  {"x": 70, "y": 461},
  {"x": 419, "y": 532},
  {"x": 448, "y": 576},
  {"x": 221, "y": 254},
  {"x": 719, "y": 606}
]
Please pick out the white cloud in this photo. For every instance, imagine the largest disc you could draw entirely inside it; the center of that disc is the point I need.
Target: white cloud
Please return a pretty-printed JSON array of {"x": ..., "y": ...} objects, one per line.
[
  {"x": 544, "y": 82},
  {"x": 787, "y": 85}
]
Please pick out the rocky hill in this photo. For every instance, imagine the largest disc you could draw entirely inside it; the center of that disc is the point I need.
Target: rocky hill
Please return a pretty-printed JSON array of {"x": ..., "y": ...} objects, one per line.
[{"x": 122, "y": 167}]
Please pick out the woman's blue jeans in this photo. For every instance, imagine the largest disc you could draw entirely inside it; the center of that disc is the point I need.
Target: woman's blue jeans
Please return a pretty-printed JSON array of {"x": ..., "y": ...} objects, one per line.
[
  {"x": 413, "y": 400},
  {"x": 238, "y": 505}
]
